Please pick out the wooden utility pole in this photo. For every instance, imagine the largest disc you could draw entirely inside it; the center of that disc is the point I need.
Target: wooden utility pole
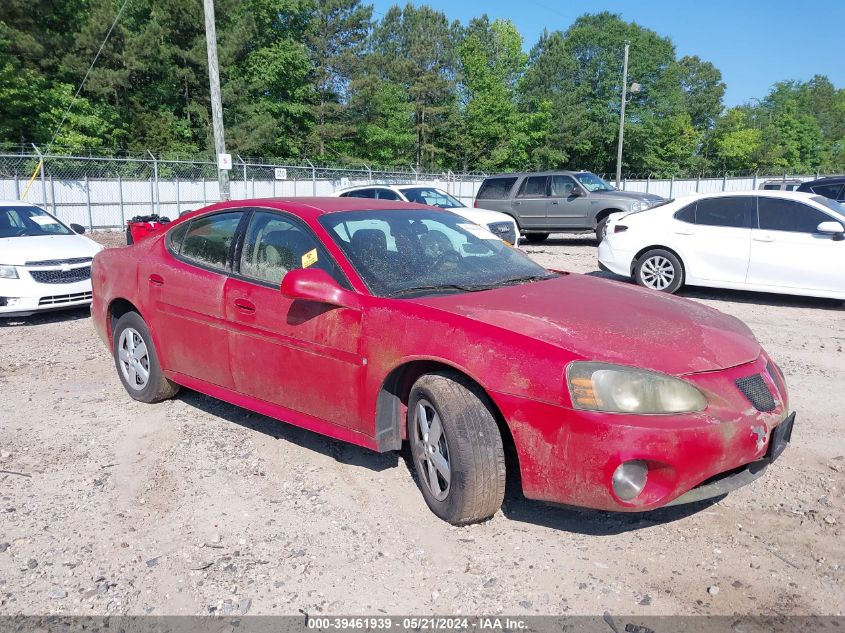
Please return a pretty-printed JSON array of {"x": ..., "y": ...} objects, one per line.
[
  {"x": 216, "y": 102},
  {"x": 622, "y": 117}
]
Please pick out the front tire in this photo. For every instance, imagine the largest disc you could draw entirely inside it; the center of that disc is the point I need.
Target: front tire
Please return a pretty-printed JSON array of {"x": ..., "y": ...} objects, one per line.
[
  {"x": 456, "y": 448},
  {"x": 661, "y": 270},
  {"x": 137, "y": 362},
  {"x": 536, "y": 238}
]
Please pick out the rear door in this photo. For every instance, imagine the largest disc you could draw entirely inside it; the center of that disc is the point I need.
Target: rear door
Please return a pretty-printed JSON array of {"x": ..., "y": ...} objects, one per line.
[
  {"x": 565, "y": 209},
  {"x": 531, "y": 202},
  {"x": 187, "y": 291},
  {"x": 788, "y": 251},
  {"x": 718, "y": 245}
]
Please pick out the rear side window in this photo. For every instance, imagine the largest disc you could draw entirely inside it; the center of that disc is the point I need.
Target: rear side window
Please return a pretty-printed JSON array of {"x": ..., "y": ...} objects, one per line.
[
  {"x": 777, "y": 214},
  {"x": 724, "y": 211},
  {"x": 533, "y": 187},
  {"x": 829, "y": 191},
  {"x": 359, "y": 193},
  {"x": 387, "y": 194},
  {"x": 177, "y": 235},
  {"x": 687, "y": 214},
  {"x": 209, "y": 239},
  {"x": 496, "y": 189}
]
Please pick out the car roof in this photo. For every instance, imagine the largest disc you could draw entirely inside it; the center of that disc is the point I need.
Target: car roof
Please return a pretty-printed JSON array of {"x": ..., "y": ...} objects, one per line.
[
  {"x": 317, "y": 206},
  {"x": 827, "y": 180},
  {"x": 372, "y": 186},
  {"x": 17, "y": 203},
  {"x": 550, "y": 172},
  {"x": 761, "y": 193}
]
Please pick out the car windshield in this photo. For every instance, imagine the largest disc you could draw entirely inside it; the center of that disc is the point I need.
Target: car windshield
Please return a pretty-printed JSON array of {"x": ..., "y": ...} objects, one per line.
[
  {"x": 26, "y": 221},
  {"x": 591, "y": 182},
  {"x": 432, "y": 197},
  {"x": 415, "y": 253},
  {"x": 833, "y": 205}
]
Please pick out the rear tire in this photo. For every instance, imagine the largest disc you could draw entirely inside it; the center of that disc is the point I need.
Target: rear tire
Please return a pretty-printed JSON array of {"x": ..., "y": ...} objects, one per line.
[
  {"x": 661, "y": 270},
  {"x": 456, "y": 448},
  {"x": 137, "y": 362},
  {"x": 536, "y": 238}
]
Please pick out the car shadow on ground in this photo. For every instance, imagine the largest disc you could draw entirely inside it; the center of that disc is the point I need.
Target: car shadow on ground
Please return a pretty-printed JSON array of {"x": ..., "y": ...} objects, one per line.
[
  {"x": 342, "y": 452},
  {"x": 45, "y": 318},
  {"x": 586, "y": 239}
]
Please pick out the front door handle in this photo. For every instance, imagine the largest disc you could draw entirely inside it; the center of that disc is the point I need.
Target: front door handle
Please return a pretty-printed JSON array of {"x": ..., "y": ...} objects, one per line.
[
  {"x": 555, "y": 202},
  {"x": 245, "y": 306},
  {"x": 156, "y": 280}
]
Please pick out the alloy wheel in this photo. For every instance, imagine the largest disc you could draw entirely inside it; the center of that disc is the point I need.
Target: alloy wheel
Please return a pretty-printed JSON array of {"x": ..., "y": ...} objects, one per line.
[
  {"x": 657, "y": 272},
  {"x": 134, "y": 359},
  {"x": 431, "y": 451}
]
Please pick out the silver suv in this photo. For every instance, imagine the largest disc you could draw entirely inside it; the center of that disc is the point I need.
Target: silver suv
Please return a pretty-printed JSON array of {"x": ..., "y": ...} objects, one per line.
[{"x": 558, "y": 201}]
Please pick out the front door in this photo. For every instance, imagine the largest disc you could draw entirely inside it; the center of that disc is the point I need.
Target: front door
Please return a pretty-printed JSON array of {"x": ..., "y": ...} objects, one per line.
[
  {"x": 187, "y": 292},
  {"x": 291, "y": 353},
  {"x": 566, "y": 207},
  {"x": 531, "y": 201},
  {"x": 787, "y": 250}
]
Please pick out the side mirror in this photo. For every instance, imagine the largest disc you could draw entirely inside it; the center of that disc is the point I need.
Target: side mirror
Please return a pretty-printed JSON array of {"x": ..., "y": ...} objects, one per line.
[
  {"x": 576, "y": 192},
  {"x": 832, "y": 228},
  {"x": 77, "y": 228},
  {"x": 315, "y": 284}
]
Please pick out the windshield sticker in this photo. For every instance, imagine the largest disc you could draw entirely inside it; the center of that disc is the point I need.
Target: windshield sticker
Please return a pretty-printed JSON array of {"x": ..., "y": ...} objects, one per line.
[
  {"x": 478, "y": 231},
  {"x": 42, "y": 220},
  {"x": 310, "y": 258}
]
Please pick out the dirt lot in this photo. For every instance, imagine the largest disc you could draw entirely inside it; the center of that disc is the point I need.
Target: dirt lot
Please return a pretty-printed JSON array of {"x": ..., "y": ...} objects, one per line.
[{"x": 194, "y": 506}]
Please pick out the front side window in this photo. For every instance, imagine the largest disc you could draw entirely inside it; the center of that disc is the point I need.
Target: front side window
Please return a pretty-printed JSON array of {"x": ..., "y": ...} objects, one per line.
[
  {"x": 591, "y": 182},
  {"x": 432, "y": 197},
  {"x": 725, "y": 211},
  {"x": 417, "y": 253},
  {"x": 496, "y": 189},
  {"x": 27, "y": 221},
  {"x": 533, "y": 187},
  {"x": 777, "y": 214},
  {"x": 210, "y": 238},
  {"x": 562, "y": 186},
  {"x": 275, "y": 245}
]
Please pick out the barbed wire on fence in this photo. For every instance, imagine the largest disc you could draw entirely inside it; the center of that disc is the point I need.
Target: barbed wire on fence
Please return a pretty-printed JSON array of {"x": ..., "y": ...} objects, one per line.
[{"x": 99, "y": 190}]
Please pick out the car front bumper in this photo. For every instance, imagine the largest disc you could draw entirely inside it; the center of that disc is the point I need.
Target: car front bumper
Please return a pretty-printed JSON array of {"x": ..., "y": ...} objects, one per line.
[
  {"x": 568, "y": 456},
  {"x": 20, "y": 297}
]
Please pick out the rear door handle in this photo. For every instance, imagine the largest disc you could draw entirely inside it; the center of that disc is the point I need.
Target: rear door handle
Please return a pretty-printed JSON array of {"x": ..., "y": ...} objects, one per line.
[
  {"x": 555, "y": 202},
  {"x": 763, "y": 238},
  {"x": 684, "y": 231},
  {"x": 245, "y": 306},
  {"x": 156, "y": 280}
]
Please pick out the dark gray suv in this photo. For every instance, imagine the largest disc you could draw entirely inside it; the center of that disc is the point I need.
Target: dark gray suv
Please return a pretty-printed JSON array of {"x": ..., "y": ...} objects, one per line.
[{"x": 558, "y": 201}]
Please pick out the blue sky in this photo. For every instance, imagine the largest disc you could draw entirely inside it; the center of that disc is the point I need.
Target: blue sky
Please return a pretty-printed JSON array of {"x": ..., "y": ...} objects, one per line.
[{"x": 753, "y": 43}]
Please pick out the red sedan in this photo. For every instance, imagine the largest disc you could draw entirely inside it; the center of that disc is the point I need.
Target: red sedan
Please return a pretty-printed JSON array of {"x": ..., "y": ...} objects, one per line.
[{"x": 376, "y": 321}]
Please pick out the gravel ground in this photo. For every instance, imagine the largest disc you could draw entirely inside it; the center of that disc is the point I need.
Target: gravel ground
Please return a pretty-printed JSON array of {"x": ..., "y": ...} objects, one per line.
[{"x": 192, "y": 506}]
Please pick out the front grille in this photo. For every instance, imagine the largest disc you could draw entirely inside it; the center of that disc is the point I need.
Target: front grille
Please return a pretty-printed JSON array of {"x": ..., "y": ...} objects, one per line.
[
  {"x": 61, "y": 276},
  {"x": 503, "y": 230},
  {"x": 756, "y": 390},
  {"x": 60, "y": 299},
  {"x": 59, "y": 262}
]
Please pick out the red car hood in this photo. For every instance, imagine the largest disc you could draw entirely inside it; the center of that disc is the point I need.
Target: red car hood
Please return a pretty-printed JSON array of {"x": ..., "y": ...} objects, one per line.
[{"x": 604, "y": 320}]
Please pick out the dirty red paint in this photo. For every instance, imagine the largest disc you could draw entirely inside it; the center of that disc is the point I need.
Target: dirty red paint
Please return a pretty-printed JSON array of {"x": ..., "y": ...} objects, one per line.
[{"x": 322, "y": 367}]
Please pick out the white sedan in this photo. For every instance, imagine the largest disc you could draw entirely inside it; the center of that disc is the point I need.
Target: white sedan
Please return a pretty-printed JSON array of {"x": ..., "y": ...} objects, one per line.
[
  {"x": 768, "y": 241},
  {"x": 500, "y": 224},
  {"x": 44, "y": 264}
]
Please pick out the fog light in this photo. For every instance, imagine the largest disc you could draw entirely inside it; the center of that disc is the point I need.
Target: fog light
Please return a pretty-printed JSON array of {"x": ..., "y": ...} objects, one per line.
[{"x": 629, "y": 479}]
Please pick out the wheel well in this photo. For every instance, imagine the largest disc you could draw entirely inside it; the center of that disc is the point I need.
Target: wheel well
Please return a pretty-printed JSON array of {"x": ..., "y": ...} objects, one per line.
[
  {"x": 601, "y": 215},
  {"x": 392, "y": 406},
  {"x": 117, "y": 309},
  {"x": 643, "y": 251}
]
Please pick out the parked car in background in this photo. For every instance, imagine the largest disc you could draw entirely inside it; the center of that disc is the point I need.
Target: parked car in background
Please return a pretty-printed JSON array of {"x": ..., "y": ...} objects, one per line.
[
  {"x": 558, "y": 201},
  {"x": 500, "y": 224},
  {"x": 781, "y": 184},
  {"x": 832, "y": 187},
  {"x": 378, "y": 321},
  {"x": 769, "y": 241},
  {"x": 44, "y": 263}
]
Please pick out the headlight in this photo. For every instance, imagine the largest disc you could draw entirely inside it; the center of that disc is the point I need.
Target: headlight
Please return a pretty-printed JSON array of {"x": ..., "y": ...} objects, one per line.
[
  {"x": 639, "y": 205},
  {"x": 8, "y": 272},
  {"x": 621, "y": 389}
]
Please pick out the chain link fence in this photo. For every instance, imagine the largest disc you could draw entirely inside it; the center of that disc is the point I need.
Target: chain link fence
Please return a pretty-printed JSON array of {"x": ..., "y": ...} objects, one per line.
[{"x": 105, "y": 191}]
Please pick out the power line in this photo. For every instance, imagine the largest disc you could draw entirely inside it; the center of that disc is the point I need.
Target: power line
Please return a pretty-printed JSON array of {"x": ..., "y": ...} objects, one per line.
[{"x": 88, "y": 72}]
